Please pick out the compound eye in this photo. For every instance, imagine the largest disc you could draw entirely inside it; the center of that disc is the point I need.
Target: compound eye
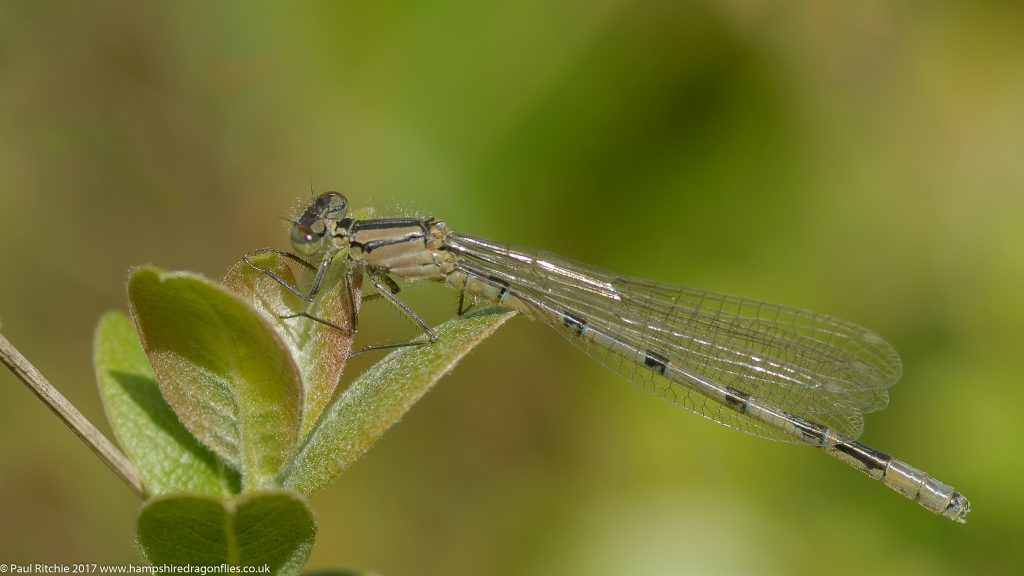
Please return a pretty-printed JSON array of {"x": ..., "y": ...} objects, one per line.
[{"x": 306, "y": 239}]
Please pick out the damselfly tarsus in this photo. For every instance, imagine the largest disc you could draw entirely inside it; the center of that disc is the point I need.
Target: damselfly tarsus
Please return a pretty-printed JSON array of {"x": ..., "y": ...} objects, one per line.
[{"x": 772, "y": 371}]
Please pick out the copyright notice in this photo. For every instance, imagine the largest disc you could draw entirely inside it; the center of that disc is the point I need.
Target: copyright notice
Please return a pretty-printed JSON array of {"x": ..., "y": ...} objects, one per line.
[{"x": 86, "y": 568}]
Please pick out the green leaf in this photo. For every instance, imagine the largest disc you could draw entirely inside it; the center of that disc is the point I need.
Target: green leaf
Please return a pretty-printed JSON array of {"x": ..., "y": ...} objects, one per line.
[
  {"x": 168, "y": 457},
  {"x": 319, "y": 350},
  {"x": 222, "y": 368},
  {"x": 273, "y": 527},
  {"x": 380, "y": 396}
]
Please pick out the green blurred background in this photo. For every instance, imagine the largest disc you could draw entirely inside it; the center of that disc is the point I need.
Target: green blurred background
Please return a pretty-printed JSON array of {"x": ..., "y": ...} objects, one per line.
[{"x": 863, "y": 159}]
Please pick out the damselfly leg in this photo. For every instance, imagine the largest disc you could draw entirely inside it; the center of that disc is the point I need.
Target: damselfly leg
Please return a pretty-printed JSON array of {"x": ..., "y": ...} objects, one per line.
[
  {"x": 353, "y": 319},
  {"x": 385, "y": 287}
]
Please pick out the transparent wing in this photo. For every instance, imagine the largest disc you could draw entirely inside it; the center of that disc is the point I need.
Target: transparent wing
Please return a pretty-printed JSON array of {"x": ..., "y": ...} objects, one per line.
[{"x": 813, "y": 365}]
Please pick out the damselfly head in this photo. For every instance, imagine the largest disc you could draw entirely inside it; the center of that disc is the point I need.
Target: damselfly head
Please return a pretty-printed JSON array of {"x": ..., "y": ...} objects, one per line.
[
  {"x": 328, "y": 206},
  {"x": 309, "y": 231}
]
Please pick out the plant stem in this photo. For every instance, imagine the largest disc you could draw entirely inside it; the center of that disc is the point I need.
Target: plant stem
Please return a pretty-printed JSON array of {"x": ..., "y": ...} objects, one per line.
[{"x": 67, "y": 412}]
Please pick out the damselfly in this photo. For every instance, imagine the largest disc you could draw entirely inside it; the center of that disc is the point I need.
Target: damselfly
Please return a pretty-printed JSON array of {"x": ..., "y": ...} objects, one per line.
[{"x": 772, "y": 371}]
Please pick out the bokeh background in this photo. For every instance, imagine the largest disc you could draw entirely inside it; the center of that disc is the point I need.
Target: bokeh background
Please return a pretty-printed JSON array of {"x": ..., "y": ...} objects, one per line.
[{"x": 863, "y": 159}]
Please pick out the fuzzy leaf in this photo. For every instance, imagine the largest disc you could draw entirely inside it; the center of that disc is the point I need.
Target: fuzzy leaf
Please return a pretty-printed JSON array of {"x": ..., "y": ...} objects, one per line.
[
  {"x": 226, "y": 373},
  {"x": 319, "y": 350},
  {"x": 168, "y": 457},
  {"x": 379, "y": 398},
  {"x": 274, "y": 528}
]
